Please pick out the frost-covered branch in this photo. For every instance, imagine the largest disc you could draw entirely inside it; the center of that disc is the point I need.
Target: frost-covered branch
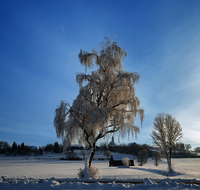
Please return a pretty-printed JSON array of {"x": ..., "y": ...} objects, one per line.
[
  {"x": 167, "y": 131},
  {"x": 106, "y": 102}
]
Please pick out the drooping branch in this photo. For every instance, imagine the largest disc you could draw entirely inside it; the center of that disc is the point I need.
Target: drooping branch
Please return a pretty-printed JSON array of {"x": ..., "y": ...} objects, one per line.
[{"x": 106, "y": 102}]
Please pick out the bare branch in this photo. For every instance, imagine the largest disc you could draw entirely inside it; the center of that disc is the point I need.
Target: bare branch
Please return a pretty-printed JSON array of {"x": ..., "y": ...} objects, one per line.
[
  {"x": 106, "y": 102},
  {"x": 167, "y": 131}
]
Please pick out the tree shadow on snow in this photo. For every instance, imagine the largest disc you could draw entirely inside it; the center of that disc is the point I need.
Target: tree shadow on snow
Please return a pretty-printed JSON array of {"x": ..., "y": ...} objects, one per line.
[{"x": 160, "y": 172}]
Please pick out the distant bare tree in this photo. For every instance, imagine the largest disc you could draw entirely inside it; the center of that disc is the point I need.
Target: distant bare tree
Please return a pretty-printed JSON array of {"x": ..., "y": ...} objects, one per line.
[
  {"x": 142, "y": 157},
  {"x": 71, "y": 155},
  {"x": 197, "y": 149},
  {"x": 106, "y": 103},
  {"x": 188, "y": 147},
  {"x": 107, "y": 153},
  {"x": 83, "y": 153},
  {"x": 157, "y": 158},
  {"x": 3, "y": 146},
  {"x": 167, "y": 131}
]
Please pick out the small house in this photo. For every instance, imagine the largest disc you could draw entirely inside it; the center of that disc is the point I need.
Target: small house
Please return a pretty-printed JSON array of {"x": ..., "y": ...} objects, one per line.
[{"x": 116, "y": 159}]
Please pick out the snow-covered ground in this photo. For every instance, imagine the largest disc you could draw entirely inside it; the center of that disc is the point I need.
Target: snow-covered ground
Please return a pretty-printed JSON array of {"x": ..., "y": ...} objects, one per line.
[{"x": 47, "y": 171}]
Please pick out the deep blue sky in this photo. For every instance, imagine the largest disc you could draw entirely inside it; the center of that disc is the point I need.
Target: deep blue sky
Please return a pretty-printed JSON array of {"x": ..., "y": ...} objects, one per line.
[{"x": 39, "y": 46}]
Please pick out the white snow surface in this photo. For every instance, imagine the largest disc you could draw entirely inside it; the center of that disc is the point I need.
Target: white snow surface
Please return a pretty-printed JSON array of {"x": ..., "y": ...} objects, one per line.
[{"x": 48, "y": 172}]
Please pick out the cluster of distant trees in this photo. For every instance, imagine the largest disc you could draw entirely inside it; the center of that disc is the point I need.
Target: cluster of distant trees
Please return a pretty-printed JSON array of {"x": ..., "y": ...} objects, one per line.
[
  {"x": 17, "y": 149},
  {"x": 53, "y": 148},
  {"x": 133, "y": 148},
  {"x": 197, "y": 149},
  {"x": 182, "y": 147},
  {"x": 180, "y": 150},
  {"x": 21, "y": 149}
]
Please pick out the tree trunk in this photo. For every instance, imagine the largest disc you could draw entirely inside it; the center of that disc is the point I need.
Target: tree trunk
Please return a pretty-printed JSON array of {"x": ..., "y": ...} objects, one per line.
[
  {"x": 170, "y": 157},
  {"x": 88, "y": 161},
  {"x": 169, "y": 163},
  {"x": 167, "y": 154},
  {"x": 92, "y": 154}
]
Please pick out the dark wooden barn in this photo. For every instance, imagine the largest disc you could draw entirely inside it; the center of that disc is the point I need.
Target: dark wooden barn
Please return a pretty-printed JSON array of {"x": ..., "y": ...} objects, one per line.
[{"x": 116, "y": 159}]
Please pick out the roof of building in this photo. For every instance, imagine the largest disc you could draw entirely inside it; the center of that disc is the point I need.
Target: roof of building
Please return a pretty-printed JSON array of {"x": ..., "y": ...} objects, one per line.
[
  {"x": 132, "y": 143},
  {"x": 121, "y": 156},
  {"x": 76, "y": 145}
]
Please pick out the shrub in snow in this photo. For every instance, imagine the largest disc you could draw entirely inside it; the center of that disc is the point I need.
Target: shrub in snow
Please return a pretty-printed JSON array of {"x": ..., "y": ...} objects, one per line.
[
  {"x": 15, "y": 153},
  {"x": 83, "y": 153},
  {"x": 7, "y": 153},
  {"x": 142, "y": 157},
  {"x": 94, "y": 172},
  {"x": 71, "y": 155},
  {"x": 4, "y": 177},
  {"x": 125, "y": 162},
  {"x": 107, "y": 153},
  {"x": 91, "y": 172},
  {"x": 157, "y": 158},
  {"x": 81, "y": 173}
]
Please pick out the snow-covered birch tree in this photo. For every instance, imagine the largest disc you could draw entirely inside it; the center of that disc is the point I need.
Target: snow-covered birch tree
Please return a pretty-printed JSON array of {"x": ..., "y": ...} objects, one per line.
[
  {"x": 106, "y": 102},
  {"x": 166, "y": 132}
]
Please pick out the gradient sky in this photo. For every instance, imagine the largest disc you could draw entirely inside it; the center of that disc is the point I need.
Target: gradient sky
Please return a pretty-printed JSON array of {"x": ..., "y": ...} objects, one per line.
[{"x": 39, "y": 46}]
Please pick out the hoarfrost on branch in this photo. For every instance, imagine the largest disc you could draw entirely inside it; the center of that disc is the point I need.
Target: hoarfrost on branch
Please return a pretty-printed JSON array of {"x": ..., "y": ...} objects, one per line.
[{"x": 106, "y": 102}]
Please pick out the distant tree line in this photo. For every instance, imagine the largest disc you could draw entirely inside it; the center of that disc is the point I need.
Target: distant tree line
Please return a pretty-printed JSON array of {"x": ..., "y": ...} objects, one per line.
[
  {"x": 132, "y": 148},
  {"x": 179, "y": 150},
  {"x": 21, "y": 149},
  {"x": 197, "y": 149}
]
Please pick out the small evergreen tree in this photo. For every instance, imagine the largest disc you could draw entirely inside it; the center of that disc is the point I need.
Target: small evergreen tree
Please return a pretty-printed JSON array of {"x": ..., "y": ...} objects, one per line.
[
  {"x": 22, "y": 146},
  {"x": 49, "y": 148},
  {"x": 134, "y": 149},
  {"x": 56, "y": 147},
  {"x": 61, "y": 148},
  {"x": 26, "y": 151},
  {"x": 18, "y": 148},
  {"x": 40, "y": 151},
  {"x": 8, "y": 151},
  {"x": 3, "y": 146},
  {"x": 14, "y": 147},
  {"x": 142, "y": 157}
]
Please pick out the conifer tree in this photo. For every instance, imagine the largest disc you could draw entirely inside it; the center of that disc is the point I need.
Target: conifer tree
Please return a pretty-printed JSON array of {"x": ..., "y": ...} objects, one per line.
[{"x": 14, "y": 147}]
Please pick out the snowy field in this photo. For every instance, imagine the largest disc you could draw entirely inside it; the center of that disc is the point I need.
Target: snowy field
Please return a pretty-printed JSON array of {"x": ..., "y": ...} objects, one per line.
[{"x": 47, "y": 171}]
